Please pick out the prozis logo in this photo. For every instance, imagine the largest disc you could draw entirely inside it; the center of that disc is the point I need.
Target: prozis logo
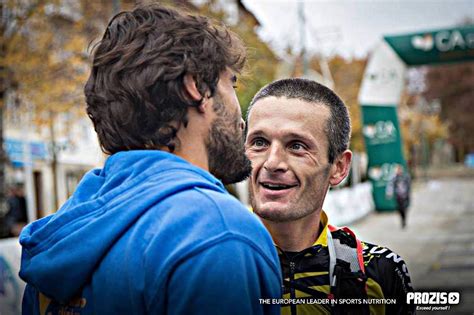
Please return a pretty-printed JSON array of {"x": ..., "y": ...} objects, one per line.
[{"x": 433, "y": 298}]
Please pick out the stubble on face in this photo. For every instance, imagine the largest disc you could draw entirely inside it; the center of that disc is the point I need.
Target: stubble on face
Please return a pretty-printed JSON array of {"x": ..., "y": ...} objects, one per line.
[
  {"x": 225, "y": 146},
  {"x": 294, "y": 210},
  {"x": 276, "y": 160}
]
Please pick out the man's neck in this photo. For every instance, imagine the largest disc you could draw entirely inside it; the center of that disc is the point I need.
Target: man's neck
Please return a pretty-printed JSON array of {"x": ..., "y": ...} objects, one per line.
[
  {"x": 195, "y": 155},
  {"x": 191, "y": 140},
  {"x": 297, "y": 235}
]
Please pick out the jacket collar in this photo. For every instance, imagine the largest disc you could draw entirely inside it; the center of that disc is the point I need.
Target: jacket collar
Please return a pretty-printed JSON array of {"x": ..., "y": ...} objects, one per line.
[{"x": 323, "y": 234}]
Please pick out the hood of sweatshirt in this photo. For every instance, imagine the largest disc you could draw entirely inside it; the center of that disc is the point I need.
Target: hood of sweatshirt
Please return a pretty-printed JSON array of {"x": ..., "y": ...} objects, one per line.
[{"x": 61, "y": 251}]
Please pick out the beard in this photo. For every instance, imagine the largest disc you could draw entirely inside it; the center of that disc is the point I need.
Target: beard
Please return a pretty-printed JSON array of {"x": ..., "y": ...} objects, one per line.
[{"x": 225, "y": 147}]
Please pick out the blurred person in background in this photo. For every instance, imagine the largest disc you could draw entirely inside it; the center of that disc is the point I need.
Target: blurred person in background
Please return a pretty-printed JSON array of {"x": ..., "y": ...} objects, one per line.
[
  {"x": 298, "y": 139},
  {"x": 16, "y": 217},
  {"x": 400, "y": 187},
  {"x": 154, "y": 231}
]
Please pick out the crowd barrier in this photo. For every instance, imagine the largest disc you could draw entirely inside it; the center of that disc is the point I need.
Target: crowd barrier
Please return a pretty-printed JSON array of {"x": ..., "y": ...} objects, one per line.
[
  {"x": 11, "y": 287},
  {"x": 346, "y": 205}
]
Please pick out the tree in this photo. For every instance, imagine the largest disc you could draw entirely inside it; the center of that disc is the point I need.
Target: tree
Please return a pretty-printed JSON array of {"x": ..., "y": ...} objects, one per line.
[
  {"x": 421, "y": 128},
  {"x": 47, "y": 61},
  {"x": 260, "y": 68},
  {"x": 14, "y": 15},
  {"x": 347, "y": 77},
  {"x": 453, "y": 86}
]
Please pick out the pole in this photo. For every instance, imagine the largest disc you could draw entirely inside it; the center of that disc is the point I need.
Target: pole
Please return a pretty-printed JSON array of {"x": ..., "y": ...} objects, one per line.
[
  {"x": 28, "y": 167},
  {"x": 54, "y": 159},
  {"x": 115, "y": 6},
  {"x": 302, "y": 20}
]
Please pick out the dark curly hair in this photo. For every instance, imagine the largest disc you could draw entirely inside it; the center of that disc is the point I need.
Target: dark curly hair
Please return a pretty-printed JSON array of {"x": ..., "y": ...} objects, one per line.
[
  {"x": 338, "y": 127},
  {"x": 135, "y": 89}
]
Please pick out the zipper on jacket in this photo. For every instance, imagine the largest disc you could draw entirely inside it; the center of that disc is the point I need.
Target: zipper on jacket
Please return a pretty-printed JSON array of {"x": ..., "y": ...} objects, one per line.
[{"x": 292, "y": 290}]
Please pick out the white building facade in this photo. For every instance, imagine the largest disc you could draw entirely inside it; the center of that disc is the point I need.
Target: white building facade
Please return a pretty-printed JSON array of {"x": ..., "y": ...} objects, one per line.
[{"x": 49, "y": 177}]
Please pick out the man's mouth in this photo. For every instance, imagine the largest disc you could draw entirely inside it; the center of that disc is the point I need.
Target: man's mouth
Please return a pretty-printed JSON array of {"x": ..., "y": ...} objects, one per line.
[{"x": 273, "y": 186}]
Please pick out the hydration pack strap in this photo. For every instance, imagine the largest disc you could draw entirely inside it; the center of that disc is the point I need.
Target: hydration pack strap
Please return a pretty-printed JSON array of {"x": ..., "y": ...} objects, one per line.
[{"x": 343, "y": 252}]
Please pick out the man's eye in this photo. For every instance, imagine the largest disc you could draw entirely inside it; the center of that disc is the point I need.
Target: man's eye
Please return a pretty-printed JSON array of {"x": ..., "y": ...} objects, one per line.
[
  {"x": 233, "y": 79},
  {"x": 258, "y": 143},
  {"x": 297, "y": 146}
]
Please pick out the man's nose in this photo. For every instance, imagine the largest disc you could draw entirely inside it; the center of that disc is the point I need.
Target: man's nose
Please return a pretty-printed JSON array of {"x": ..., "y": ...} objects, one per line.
[{"x": 276, "y": 159}]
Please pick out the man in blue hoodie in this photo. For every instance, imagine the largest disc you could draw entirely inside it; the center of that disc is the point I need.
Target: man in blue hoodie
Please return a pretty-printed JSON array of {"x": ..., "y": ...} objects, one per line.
[{"x": 153, "y": 232}]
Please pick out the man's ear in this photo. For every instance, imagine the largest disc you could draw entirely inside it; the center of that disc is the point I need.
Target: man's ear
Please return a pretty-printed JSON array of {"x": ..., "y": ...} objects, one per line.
[
  {"x": 191, "y": 88},
  {"x": 340, "y": 168},
  {"x": 194, "y": 94}
]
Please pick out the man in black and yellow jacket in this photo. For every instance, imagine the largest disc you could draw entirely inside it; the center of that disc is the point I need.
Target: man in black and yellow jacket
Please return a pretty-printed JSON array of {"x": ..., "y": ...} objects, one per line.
[{"x": 298, "y": 138}]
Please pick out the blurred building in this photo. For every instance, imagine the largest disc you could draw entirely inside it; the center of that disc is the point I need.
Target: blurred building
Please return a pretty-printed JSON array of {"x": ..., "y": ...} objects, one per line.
[
  {"x": 49, "y": 165},
  {"x": 49, "y": 149}
]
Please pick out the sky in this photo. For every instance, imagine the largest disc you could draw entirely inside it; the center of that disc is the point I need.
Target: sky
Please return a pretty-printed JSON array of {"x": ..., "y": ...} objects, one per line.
[{"x": 352, "y": 28}]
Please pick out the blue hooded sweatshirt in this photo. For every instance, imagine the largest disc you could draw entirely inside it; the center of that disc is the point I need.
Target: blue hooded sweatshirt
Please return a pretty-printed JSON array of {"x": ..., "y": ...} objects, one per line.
[{"x": 149, "y": 234}]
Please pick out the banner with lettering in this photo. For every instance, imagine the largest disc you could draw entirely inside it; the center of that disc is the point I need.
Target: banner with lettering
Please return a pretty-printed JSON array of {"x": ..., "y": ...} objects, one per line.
[
  {"x": 435, "y": 47},
  {"x": 382, "y": 87},
  {"x": 384, "y": 147}
]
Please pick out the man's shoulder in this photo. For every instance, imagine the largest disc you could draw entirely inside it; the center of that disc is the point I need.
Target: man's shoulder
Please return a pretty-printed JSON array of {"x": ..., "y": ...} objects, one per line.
[
  {"x": 386, "y": 267},
  {"x": 381, "y": 262},
  {"x": 225, "y": 210},
  {"x": 191, "y": 189},
  {"x": 204, "y": 215},
  {"x": 381, "y": 255},
  {"x": 212, "y": 201}
]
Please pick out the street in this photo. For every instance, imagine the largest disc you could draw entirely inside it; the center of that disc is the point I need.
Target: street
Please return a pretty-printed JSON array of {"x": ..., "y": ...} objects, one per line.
[{"x": 437, "y": 243}]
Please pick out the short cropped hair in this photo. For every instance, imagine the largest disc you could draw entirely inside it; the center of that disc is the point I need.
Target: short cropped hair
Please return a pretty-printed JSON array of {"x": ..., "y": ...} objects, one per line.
[
  {"x": 338, "y": 127},
  {"x": 136, "y": 89}
]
